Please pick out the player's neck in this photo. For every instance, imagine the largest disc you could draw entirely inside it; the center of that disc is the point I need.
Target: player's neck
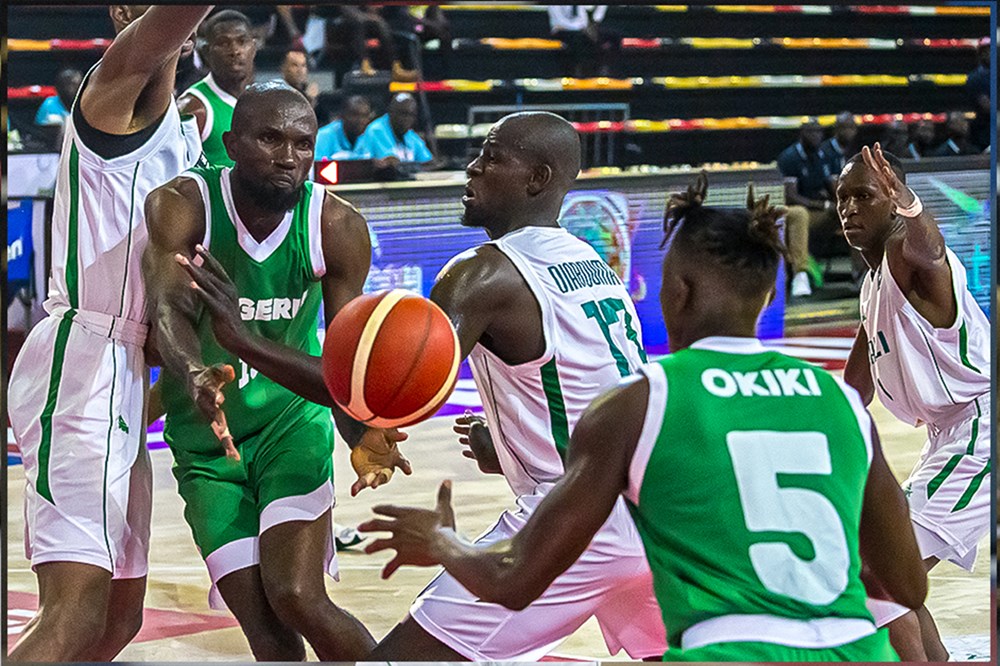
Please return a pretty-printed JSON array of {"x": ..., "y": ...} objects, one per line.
[
  {"x": 495, "y": 232},
  {"x": 712, "y": 325},
  {"x": 258, "y": 220},
  {"x": 234, "y": 87}
]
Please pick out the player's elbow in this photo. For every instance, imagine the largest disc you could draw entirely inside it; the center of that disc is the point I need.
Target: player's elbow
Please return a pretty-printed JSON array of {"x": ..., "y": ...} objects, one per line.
[
  {"x": 915, "y": 594},
  {"x": 515, "y": 599}
]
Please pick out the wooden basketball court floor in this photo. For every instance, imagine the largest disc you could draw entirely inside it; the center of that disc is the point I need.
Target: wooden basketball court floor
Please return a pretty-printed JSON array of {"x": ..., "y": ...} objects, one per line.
[{"x": 181, "y": 627}]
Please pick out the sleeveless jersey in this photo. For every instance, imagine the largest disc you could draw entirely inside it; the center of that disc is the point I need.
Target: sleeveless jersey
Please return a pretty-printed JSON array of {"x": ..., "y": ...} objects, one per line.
[
  {"x": 278, "y": 281},
  {"x": 747, "y": 486},
  {"x": 592, "y": 340},
  {"x": 219, "y": 107},
  {"x": 98, "y": 217},
  {"x": 924, "y": 374}
]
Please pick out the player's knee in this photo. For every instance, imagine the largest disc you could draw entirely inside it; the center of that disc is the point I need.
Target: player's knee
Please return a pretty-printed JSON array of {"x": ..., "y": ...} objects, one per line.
[{"x": 292, "y": 600}]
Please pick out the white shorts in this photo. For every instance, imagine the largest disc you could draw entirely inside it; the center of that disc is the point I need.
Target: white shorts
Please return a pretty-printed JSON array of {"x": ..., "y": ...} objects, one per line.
[
  {"x": 610, "y": 581},
  {"x": 949, "y": 488},
  {"x": 76, "y": 405}
]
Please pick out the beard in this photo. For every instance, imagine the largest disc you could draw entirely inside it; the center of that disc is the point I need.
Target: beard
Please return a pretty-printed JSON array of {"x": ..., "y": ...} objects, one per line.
[{"x": 270, "y": 197}]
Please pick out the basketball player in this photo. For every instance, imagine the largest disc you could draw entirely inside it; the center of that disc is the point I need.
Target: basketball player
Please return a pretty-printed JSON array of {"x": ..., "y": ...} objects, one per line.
[
  {"x": 756, "y": 480},
  {"x": 923, "y": 347},
  {"x": 262, "y": 519},
  {"x": 76, "y": 390},
  {"x": 547, "y": 326},
  {"x": 230, "y": 49}
]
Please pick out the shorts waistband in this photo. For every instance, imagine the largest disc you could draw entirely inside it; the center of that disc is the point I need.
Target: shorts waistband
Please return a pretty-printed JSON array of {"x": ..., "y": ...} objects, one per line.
[
  {"x": 105, "y": 325},
  {"x": 825, "y": 632},
  {"x": 978, "y": 407}
]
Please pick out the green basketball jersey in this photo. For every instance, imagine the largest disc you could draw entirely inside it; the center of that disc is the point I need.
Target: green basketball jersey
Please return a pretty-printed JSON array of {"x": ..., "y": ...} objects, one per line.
[
  {"x": 278, "y": 281},
  {"x": 219, "y": 107},
  {"x": 746, "y": 488}
]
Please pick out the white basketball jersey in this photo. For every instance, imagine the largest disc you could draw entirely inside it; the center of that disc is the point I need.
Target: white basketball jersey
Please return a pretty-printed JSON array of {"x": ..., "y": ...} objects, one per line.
[
  {"x": 592, "y": 340},
  {"x": 924, "y": 374},
  {"x": 99, "y": 222}
]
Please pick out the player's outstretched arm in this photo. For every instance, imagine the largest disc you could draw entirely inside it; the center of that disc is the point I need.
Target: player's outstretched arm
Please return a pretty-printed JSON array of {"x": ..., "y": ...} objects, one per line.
[
  {"x": 135, "y": 58},
  {"x": 517, "y": 571},
  {"x": 917, "y": 259},
  {"x": 888, "y": 546},
  {"x": 858, "y": 372},
  {"x": 175, "y": 218}
]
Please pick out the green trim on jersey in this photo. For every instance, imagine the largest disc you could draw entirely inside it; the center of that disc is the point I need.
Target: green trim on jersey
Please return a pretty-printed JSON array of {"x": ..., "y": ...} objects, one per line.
[
  {"x": 55, "y": 378},
  {"x": 557, "y": 406},
  {"x": 222, "y": 120},
  {"x": 750, "y": 503},
  {"x": 963, "y": 348},
  {"x": 949, "y": 467},
  {"x": 128, "y": 249},
  {"x": 107, "y": 452},
  {"x": 72, "y": 242},
  {"x": 279, "y": 299}
]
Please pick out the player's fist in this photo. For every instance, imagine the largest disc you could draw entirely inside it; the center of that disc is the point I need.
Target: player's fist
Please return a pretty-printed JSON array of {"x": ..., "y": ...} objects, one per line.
[{"x": 205, "y": 386}]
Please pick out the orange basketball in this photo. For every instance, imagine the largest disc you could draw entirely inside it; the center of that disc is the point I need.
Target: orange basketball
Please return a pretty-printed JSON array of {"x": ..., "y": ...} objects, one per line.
[{"x": 390, "y": 359}]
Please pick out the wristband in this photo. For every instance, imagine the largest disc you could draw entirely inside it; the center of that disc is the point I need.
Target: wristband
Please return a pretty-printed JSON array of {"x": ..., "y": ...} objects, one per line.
[{"x": 914, "y": 209}]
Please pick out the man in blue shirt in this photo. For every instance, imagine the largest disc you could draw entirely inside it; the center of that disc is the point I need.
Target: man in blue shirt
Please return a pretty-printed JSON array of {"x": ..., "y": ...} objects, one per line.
[
  {"x": 339, "y": 139},
  {"x": 810, "y": 202},
  {"x": 392, "y": 135},
  {"x": 840, "y": 147},
  {"x": 54, "y": 110}
]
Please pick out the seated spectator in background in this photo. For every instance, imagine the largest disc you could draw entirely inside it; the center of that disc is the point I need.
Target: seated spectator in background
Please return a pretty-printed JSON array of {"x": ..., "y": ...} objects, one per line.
[
  {"x": 895, "y": 138},
  {"x": 922, "y": 138},
  {"x": 54, "y": 110},
  {"x": 956, "y": 128},
  {"x": 423, "y": 23},
  {"x": 353, "y": 25},
  {"x": 338, "y": 140},
  {"x": 977, "y": 88},
  {"x": 295, "y": 72},
  {"x": 811, "y": 216},
  {"x": 840, "y": 147},
  {"x": 590, "y": 46},
  {"x": 391, "y": 137}
]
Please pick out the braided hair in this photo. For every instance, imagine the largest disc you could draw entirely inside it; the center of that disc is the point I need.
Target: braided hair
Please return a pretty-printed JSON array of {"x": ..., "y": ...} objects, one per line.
[{"x": 746, "y": 242}]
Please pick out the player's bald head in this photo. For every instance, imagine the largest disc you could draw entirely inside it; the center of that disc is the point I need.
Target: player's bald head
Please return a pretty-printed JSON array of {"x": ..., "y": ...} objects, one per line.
[
  {"x": 543, "y": 138},
  {"x": 264, "y": 100},
  {"x": 122, "y": 15}
]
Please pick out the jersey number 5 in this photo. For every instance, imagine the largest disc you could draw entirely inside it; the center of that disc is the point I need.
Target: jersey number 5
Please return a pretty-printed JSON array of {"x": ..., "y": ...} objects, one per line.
[
  {"x": 758, "y": 458},
  {"x": 605, "y": 312}
]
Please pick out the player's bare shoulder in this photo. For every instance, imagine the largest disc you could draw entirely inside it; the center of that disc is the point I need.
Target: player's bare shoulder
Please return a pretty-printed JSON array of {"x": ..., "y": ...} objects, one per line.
[
  {"x": 482, "y": 277},
  {"x": 345, "y": 235}
]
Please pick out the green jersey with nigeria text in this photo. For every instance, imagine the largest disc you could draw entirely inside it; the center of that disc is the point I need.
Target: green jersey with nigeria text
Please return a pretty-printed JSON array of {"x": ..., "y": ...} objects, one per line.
[
  {"x": 746, "y": 487},
  {"x": 278, "y": 282},
  {"x": 219, "y": 106}
]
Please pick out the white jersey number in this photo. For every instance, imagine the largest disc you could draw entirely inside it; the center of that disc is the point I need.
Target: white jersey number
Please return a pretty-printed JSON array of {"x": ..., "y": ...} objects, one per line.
[
  {"x": 246, "y": 374},
  {"x": 758, "y": 458}
]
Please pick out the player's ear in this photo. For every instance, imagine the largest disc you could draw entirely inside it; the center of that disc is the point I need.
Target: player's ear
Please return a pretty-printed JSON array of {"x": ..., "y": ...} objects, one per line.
[
  {"x": 541, "y": 176},
  {"x": 229, "y": 141}
]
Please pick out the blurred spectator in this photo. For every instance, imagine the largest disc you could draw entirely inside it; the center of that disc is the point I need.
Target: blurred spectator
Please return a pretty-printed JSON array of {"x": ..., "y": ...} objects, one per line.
[
  {"x": 590, "y": 46},
  {"x": 922, "y": 137},
  {"x": 977, "y": 87},
  {"x": 229, "y": 50},
  {"x": 840, "y": 147},
  {"x": 54, "y": 110},
  {"x": 811, "y": 215},
  {"x": 338, "y": 140},
  {"x": 423, "y": 23},
  {"x": 956, "y": 128},
  {"x": 391, "y": 137},
  {"x": 895, "y": 138},
  {"x": 295, "y": 72},
  {"x": 352, "y": 26}
]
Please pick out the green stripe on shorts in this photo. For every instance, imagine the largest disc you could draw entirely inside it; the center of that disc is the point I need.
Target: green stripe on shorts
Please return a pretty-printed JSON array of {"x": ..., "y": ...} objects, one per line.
[{"x": 45, "y": 448}]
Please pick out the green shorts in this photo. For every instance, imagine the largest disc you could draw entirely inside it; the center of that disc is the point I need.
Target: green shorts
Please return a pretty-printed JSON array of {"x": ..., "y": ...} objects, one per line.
[
  {"x": 285, "y": 474},
  {"x": 870, "y": 648}
]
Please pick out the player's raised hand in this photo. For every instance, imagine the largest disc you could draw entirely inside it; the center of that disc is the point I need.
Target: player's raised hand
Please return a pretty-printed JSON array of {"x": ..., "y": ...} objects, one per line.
[
  {"x": 474, "y": 434},
  {"x": 416, "y": 534},
  {"x": 887, "y": 179},
  {"x": 217, "y": 291},
  {"x": 376, "y": 458}
]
